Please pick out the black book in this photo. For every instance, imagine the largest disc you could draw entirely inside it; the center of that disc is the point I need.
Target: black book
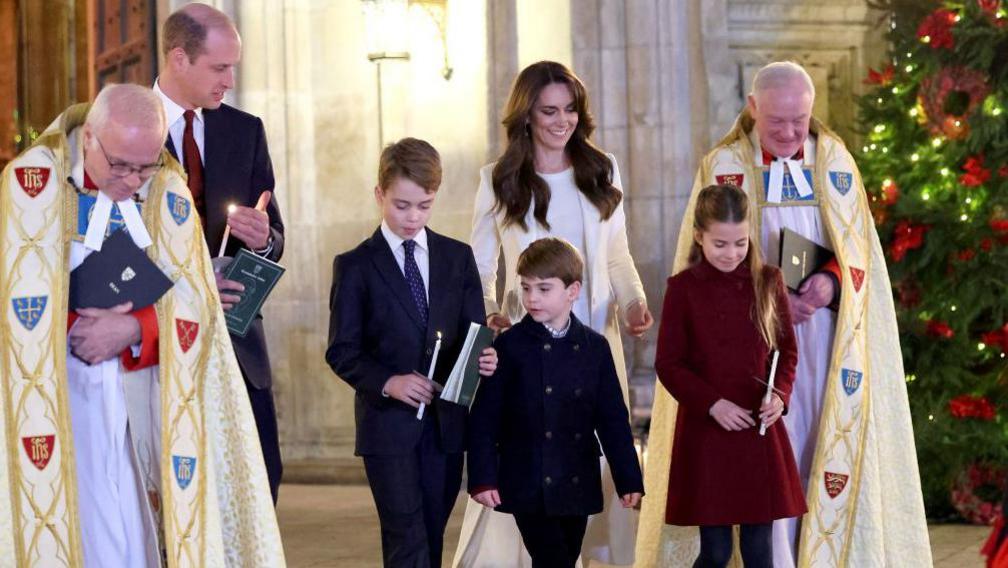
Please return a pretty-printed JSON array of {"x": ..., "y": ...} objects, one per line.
[
  {"x": 800, "y": 258},
  {"x": 120, "y": 272}
]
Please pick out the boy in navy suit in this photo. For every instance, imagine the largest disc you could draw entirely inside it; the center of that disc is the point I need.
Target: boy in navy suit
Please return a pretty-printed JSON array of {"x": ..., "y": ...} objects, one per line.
[
  {"x": 532, "y": 430},
  {"x": 391, "y": 297}
]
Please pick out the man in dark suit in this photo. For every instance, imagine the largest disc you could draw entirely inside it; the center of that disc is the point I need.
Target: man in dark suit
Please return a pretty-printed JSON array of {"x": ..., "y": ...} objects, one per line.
[
  {"x": 224, "y": 153},
  {"x": 395, "y": 298}
]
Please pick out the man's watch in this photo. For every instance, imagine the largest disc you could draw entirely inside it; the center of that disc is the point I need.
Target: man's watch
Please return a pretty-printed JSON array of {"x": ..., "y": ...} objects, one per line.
[{"x": 267, "y": 249}]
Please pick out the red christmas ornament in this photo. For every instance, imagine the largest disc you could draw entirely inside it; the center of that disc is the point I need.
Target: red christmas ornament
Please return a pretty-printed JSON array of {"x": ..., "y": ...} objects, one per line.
[
  {"x": 909, "y": 293},
  {"x": 906, "y": 237},
  {"x": 966, "y": 498},
  {"x": 1000, "y": 226},
  {"x": 882, "y": 78},
  {"x": 938, "y": 328},
  {"x": 936, "y": 29},
  {"x": 989, "y": 6},
  {"x": 976, "y": 174},
  {"x": 987, "y": 244},
  {"x": 969, "y": 406},
  {"x": 997, "y": 338},
  {"x": 1003, "y": 171},
  {"x": 890, "y": 193},
  {"x": 966, "y": 255}
]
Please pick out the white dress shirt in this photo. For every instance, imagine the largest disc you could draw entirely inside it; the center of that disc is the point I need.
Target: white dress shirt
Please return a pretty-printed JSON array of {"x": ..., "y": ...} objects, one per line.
[
  {"x": 176, "y": 125},
  {"x": 420, "y": 253}
]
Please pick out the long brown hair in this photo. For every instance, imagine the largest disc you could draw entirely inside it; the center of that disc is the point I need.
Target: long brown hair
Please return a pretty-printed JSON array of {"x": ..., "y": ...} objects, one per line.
[
  {"x": 729, "y": 204},
  {"x": 515, "y": 182}
]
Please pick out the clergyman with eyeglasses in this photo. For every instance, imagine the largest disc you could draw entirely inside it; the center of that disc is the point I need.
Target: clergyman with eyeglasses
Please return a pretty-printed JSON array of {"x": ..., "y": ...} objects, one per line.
[{"x": 120, "y": 425}]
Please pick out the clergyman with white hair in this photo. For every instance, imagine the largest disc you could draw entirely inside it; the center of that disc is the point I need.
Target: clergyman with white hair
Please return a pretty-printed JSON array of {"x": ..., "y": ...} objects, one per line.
[
  {"x": 125, "y": 428},
  {"x": 848, "y": 419}
]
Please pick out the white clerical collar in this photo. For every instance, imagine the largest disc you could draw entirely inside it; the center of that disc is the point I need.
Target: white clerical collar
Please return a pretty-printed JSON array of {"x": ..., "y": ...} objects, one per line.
[
  {"x": 94, "y": 236},
  {"x": 173, "y": 111},
  {"x": 395, "y": 241},
  {"x": 775, "y": 184}
]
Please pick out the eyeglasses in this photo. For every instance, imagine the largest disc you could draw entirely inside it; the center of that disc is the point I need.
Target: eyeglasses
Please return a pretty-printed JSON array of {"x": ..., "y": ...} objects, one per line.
[{"x": 122, "y": 170}]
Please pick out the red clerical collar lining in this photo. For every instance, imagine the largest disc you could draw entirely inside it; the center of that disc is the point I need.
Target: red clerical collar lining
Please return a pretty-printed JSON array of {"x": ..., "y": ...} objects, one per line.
[
  {"x": 88, "y": 182},
  {"x": 768, "y": 157}
]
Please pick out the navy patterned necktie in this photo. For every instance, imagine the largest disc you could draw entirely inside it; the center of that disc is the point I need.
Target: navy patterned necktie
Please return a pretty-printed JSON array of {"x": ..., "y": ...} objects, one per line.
[{"x": 415, "y": 281}]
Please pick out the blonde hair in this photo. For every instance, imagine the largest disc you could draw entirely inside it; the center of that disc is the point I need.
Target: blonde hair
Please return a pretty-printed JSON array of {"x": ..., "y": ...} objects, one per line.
[
  {"x": 127, "y": 104},
  {"x": 728, "y": 204}
]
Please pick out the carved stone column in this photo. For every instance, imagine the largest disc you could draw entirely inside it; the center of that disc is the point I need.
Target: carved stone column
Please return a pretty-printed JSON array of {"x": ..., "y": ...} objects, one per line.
[{"x": 643, "y": 62}]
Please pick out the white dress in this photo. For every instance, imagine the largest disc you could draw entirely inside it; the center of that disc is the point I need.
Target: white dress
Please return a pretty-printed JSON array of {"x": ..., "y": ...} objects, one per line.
[{"x": 490, "y": 539}]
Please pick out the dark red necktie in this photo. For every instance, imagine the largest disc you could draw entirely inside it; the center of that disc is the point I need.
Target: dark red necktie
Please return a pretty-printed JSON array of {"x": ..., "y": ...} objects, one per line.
[{"x": 193, "y": 162}]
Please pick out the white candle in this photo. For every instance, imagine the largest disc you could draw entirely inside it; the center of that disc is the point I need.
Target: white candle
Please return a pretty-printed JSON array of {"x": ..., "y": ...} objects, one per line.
[
  {"x": 430, "y": 372},
  {"x": 227, "y": 232},
  {"x": 769, "y": 388}
]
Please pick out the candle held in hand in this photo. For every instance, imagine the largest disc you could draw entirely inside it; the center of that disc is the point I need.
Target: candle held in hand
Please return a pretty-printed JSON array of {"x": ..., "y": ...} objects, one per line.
[
  {"x": 227, "y": 232},
  {"x": 430, "y": 372}
]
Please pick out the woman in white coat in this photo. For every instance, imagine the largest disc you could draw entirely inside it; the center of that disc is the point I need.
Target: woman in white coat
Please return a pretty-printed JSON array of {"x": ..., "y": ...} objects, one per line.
[{"x": 552, "y": 181}]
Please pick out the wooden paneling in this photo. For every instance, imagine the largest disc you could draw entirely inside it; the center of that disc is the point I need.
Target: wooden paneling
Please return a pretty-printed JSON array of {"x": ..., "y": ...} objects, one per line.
[
  {"x": 125, "y": 42},
  {"x": 8, "y": 81}
]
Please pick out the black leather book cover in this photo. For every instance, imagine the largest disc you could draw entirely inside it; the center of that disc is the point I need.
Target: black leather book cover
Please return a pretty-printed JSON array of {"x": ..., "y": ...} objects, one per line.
[{"x": 120, "y": 272}]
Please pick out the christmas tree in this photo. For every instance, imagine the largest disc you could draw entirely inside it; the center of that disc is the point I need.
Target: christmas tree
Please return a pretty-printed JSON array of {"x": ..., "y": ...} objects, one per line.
[{"x": 935, "y": 165}]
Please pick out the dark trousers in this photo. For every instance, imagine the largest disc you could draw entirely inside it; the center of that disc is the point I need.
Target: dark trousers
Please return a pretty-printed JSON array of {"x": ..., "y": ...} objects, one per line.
[
  {"x": 552, "y": 542},
  {"x": 754, "y": 540},
  {"x": 264, "y": 412},
  {"x": 414, "y": 494}
]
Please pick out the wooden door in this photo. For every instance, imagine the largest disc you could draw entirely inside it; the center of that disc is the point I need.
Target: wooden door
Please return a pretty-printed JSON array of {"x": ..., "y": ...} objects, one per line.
[{"x": 125, "y": 42}]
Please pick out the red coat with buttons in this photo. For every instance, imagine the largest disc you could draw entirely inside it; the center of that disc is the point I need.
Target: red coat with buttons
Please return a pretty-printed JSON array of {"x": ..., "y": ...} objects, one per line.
[
  {"x": 533, "y": 424},
  {"x": 709, "y": 349}
]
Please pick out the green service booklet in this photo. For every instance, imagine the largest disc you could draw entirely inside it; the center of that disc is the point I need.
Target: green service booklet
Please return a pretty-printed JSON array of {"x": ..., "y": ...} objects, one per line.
[
  {"x": 464, "y": 379},
  {"x": 259, "y": 276}
]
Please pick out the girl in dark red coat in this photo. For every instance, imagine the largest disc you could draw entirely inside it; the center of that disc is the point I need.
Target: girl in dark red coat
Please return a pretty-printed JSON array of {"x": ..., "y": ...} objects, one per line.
[{"x": 723, "y": 318}]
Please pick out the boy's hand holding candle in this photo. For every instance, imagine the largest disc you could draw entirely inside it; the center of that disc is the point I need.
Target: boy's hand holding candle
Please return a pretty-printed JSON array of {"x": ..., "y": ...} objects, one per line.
[{"x": 412, "y": 388}]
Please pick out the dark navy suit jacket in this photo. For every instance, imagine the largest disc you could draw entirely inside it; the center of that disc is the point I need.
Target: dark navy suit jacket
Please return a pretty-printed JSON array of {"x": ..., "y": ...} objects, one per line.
[
  {"x": 375, "y": 332},
  {"x": 533, "y": 425},
  {"x": 237, "y": 169}
]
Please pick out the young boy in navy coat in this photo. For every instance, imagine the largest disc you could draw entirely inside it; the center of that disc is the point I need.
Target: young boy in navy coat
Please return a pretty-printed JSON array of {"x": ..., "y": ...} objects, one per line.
[
  {"x": 391, "y": 297},
  {"x": 532, "y": 428}
]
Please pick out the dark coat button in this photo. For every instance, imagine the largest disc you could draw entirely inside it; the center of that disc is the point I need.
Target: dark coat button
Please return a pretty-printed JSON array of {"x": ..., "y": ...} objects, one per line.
[
  {"x": 429, "y": 351},
  {"x": 548, "y": 480},
  {"x": 575, "y": 480},
  {"x": 549, "y": 389},
  {"x": 577, "y": 392},
  {"x": 549, "y": 435},
  {"x": 576, "y": 347},
  {"x": 547, "y": 347},
  {"x": 577, "y": 437}
]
